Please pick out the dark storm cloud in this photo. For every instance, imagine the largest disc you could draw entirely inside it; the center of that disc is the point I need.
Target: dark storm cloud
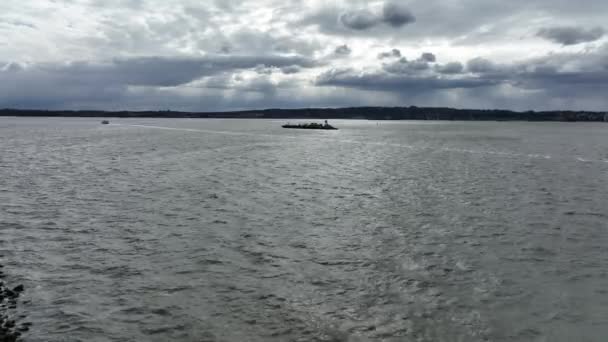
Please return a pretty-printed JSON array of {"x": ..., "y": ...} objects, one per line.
[
  {"x": 359, "y": 19},
  {"x": 86, "y": 82},
  {"x": 576, "y": 72},
  {"x": 567, "y": 80},
  {"x": 571, "y": 35},
  {"x": 554, "y": 76},
  {"x": 523, "y": 90},
  {"x": 382, "y": 81},
  {"x": 217, "y": 93},
  {"x": 397, "y": 15}
]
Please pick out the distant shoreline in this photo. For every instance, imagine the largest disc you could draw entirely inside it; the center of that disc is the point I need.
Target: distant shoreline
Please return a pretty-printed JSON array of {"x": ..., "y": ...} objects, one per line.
[{"x": 362, "y": 113}]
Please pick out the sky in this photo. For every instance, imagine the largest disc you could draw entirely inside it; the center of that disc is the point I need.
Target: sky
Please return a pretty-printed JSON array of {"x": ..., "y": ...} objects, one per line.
[{"x": 221, "y": 55}]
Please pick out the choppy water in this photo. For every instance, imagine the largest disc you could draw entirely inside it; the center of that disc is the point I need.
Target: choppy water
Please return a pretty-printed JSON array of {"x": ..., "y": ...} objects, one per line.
[{"x": 237, "y": 230}]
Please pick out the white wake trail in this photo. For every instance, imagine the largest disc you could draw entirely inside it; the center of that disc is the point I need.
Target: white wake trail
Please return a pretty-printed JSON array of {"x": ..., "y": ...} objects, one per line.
[{"x": 350, "y": 141}]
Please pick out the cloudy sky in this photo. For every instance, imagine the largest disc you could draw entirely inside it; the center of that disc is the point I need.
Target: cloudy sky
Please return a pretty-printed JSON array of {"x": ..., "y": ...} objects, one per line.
[{"x": 207, "y": 55}]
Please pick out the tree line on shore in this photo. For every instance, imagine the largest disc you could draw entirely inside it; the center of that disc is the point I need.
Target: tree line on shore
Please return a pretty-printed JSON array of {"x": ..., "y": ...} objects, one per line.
[{"x": 369, "y": 113}]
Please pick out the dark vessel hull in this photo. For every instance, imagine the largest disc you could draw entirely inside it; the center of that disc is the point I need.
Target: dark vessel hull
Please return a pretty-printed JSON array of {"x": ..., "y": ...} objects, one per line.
[{"x": 331, "y": 128}]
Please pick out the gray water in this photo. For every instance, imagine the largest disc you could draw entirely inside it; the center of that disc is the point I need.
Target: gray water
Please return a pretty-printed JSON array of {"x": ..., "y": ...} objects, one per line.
[{"x": 238, "y": 230}]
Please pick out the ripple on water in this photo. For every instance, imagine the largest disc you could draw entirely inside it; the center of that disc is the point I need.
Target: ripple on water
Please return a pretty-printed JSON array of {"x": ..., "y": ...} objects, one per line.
[{"x": 236, "y": 230}]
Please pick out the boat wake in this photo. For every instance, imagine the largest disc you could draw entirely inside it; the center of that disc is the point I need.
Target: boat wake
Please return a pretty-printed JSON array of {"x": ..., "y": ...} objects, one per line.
[{"x": 351, "y": 141}]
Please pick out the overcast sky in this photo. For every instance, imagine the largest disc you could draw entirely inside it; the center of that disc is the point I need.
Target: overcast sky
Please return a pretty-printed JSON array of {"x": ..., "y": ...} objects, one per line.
[{"x": 207, "y": 55}]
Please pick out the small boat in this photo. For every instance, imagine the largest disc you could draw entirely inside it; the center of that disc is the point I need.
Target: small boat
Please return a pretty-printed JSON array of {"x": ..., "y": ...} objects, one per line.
[
  {"x": 312, "y": 125},
  {"x": 105, "y": 122}
]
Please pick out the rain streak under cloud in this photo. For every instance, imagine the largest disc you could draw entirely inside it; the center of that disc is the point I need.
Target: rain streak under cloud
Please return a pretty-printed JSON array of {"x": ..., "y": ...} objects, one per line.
[{"x": 228, "y": 55}]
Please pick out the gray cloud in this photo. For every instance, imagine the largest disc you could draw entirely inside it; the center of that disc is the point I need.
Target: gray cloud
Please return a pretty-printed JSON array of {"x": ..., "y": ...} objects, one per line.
[
  {"x": 12, "y": 67},
  {"x": 533, "y": 82},
  {"x": 403, "y": 66},
  {"x": 393, "y": 14},
  {"x": 450, "y": 68},
  {"x": 263, "y": 70},
  {"x": 394, "y": 53},
  {"x": 270, "y": 50},
  {"x": 261, "y": 84},
  {"x": 166, "y": 72},
  {"x": 480, "y": 65},
  {"x": 571, "y": 35},
  {"x": 565, "y": 80},
  {"x": 397, "y": 15},
  {"x": 380, "y": 81},
  {"x": 428, "y": 57},
  {"x": 359, "y": 20},
  {"x": 235, "y": 83},
  {"x": 76, "y": 82},
  {"x": 216, "y": 93},
  {"x": 292, "y": 69},
  {"x": 343, "y": 50},
  {"x": 572, "y": 73},
  {"x": 257, "y": 42},
  {"x": 466, "y": 22},
  {"x": 18, "y": 22},
  {"x": 525, "y": 90}
]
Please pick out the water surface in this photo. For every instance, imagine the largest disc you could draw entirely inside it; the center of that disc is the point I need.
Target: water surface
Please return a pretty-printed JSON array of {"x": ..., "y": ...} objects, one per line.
[{"x": 238, "y": 230}]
